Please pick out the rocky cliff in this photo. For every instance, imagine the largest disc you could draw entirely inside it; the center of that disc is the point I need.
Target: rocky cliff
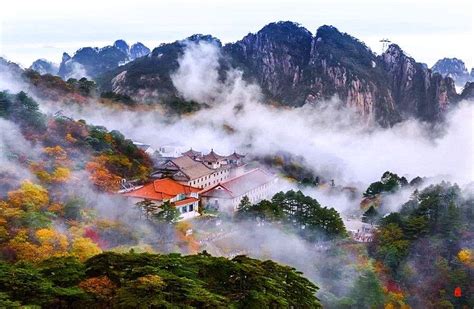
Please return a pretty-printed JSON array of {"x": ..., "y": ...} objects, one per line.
[
  {"x": 44, "y": 66},
  {"x": 295, "y": 67},
  {"x": 94, "y": 61},
  {"x": 454, "y": 68},
  {"x": 415, "y": 89},
  {"x": 148, "y": 79}
]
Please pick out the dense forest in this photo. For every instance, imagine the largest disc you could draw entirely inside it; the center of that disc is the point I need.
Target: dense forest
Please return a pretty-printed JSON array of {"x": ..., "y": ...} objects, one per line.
[
  {"x": 294, "y": 209},
  {"x": 51, "y": 235},
  {"x": 425, "y": 247},
  {"x": 132, "y": 280},
  {"x": 68, "y": 144},
  {"x": 65, "y": 244}
]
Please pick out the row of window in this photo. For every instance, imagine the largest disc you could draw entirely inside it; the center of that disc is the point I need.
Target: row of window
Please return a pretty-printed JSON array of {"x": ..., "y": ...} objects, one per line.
[
  {"x": 186, "y": 208},
  {"x": 254, "y": 195},
  {"x": 198, "y": 183}
]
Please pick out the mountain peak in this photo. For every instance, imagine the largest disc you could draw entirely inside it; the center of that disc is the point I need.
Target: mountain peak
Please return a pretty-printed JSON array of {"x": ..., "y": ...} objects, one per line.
[
  {"x": 138, "y": 50},
  {"x": 394, "y": 48},
  {"x": 94, "y": 61},
  {"x": 345, "y": 43},
  {"x": 326, "y": 30},
  {"x": 122, "y": 46},
  {"x": 454, "y": 68},
  {"x": 284, "y": 26},
  {"x": 395, "y": 54},
  {"x": 44, "y": 66},
  {"x": 65, "y": 57},
  {"x": 203, "y": 37}
]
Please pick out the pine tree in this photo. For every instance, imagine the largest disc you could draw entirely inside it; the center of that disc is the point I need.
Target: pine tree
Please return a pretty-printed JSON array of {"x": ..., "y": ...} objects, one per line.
[
  {"x": 148, "y": 207},
  {"x": 168, "y": 213},
  {"x": 244, "y": 204}
]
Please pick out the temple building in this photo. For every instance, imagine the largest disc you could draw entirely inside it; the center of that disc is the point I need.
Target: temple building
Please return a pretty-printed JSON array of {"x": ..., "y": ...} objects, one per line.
[
  {"x": 213, "y": 160},
  {"x": 201, "y": 171},
  {"x": 235, "y": 159},
  {"x": 193, "y": 154},
  {"x": 190, "y": 172},
  {"x": 184, "y": 198},
  {"x": 226, "y": 196}
]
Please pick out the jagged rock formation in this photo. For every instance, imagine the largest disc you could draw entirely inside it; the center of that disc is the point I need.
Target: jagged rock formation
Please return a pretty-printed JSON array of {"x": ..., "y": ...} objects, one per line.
[
  {"x": 468, "y": 91},
  {"x": 149, "y": 78},
  {"x": 92, "y": 62},
  {"x": 44, "y": 66},
  {"x": 275, "y": 58},
  {"x": 138, "y": 50},
  {"x": 454, "y": 68},
  {"x": 11, "y": 67},
  {"x": 415, "y": 89},
  {"x": 293, "y": 67},
  {"x": 10, "y": 75},
  {"x": 122, "y": 46}
]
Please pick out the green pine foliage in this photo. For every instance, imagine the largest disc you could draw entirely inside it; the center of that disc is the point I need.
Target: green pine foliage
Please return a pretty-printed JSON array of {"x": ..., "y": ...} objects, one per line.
[
  {"x": 389, "y": 182},
  {"x": 167, "y": 213},
  {"x": 299, "y": 211},
  {"x": 422, "y": 243},
  {"x": 132, "y": 280},
  {"x": 23, "y": 110}
]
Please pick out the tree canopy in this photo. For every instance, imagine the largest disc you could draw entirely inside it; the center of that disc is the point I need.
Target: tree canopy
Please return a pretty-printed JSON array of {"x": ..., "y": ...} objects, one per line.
[
  {"x": 297, "y": 210},
  {"x": 131, "y": 280},
  {"x": 426, "y": 242}
]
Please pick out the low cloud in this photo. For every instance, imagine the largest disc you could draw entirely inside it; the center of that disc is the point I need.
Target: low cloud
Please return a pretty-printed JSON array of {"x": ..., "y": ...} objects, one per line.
[
  {"x": 197, "y": 78},
  {"x": 331, "y": 138},
  {"x": 13, "y": 147}
]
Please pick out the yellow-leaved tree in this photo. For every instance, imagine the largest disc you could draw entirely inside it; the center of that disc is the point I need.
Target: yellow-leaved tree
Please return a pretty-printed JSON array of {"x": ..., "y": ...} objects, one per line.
[
  {"x": 29, "y": 195},
  {"x": 45, "y": 244},
  {"x": 83, "y": 248},
  {"x": 466, "y": 256}
]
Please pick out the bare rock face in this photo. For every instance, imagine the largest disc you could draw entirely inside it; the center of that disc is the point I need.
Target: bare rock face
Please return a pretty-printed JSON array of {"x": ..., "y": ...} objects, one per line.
[
  {"x": 416, "y": 90},
  {"x": 343, "y": 66},
  {"x": 468, "y": 92},
  {"x": 275, "y": 57},
  {"x": 93, "y": 61},
  {"x": 454, "y": 68},
  {"x": 44, "y": 66},
  {"x": 138, "y": 50},
  {"x": 294, "y": 67}
]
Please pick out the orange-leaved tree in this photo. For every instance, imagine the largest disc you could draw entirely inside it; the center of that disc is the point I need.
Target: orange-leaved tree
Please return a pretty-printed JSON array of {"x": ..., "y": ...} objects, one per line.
[{"x": 29, "y": 195}]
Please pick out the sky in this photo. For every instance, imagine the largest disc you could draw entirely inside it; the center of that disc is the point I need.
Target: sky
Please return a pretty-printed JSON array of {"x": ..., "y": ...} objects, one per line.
[{"x": 426, "y": 29}]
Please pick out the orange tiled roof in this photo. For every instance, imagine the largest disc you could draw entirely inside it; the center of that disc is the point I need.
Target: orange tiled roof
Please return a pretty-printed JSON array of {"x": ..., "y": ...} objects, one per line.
[{"x": 162, "y": 189}]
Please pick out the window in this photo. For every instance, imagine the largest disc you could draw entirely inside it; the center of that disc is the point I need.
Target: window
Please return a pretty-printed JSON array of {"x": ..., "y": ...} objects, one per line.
[
  {"x": 191, "y": 207},
  {"x": 182, "y": 209}
]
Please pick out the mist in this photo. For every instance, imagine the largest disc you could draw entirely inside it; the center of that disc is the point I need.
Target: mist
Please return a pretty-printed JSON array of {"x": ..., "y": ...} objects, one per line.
[
  {"x": 334, "y": 140},
  {"x": 13, "y": 146}
]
